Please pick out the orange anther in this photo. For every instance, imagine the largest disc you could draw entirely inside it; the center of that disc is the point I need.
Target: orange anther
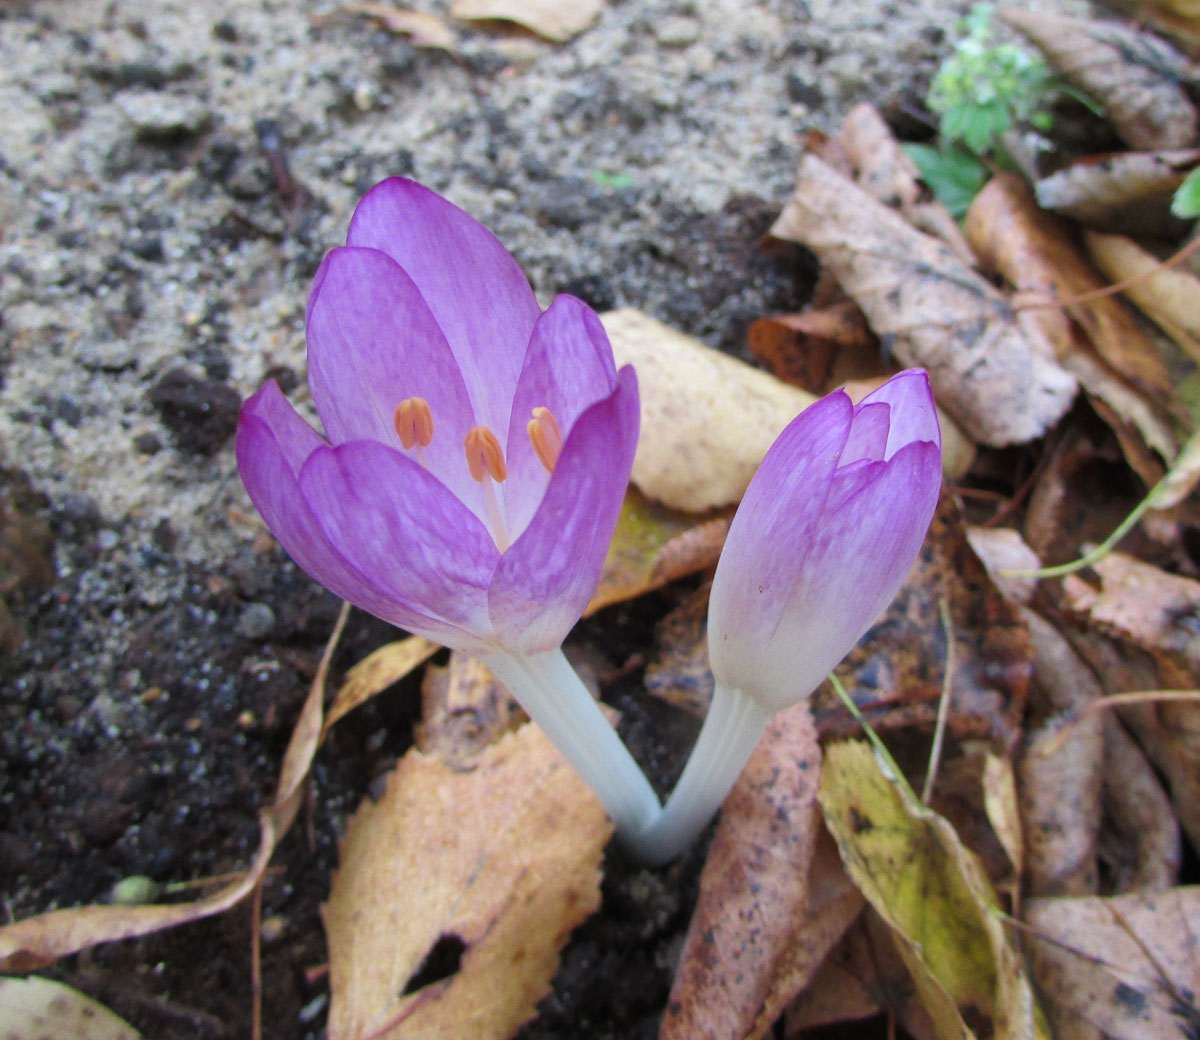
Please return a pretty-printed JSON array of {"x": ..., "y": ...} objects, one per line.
[
  {"x": 485, "y": 458},
  {"x": 546, "y": 437},
  {"x": 414, "y": 422}
]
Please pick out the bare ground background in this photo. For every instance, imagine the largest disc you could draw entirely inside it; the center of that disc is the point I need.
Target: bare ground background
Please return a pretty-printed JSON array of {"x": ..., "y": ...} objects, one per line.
[{"x": 170, "y": 176}]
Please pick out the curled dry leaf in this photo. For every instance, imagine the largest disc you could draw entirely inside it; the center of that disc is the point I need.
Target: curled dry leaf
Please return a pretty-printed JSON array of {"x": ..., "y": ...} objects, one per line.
[
  {"x": 1036, "y": 253},
  {"x": 1142, "y": 604},
  {"x": 1002, "y": 549},
  {"x": 930, "y": 309},
  {"x": 817, "y": 349},
  {"x": 37, "y": 941},
  {"x": 376, "y": 672},
  {"x": 707, "y": 418},
  {"x": 1169, "y": 297},
  {"x": 463, "y": 710},
  {"x": 1123, "y": 968},
  {"x": 1139, "y": 839},
  {"x": 897, "y": 671},
  {"x": 1061, "y": 768},
  {"x": 1134, "y": 75},
  {"x": 1181, "y": 481},
  {"x": 761, "y": 927},
  {"x": 882, "y": 168},
  {"x": 1003, "y": 809},
  {"x": 410, "y": 882},
  {"x": 39, "y": 1009},
  {"x": 1128, "y": 193},
  {"x": 549, "y": 18},
  {"x": 653, "y": 545},
  {"x": 932, "y": 891}
]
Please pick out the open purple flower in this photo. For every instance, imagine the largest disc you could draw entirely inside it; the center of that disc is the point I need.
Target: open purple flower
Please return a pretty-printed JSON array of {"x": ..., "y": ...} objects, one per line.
[
  {"x": 479, "y": 449},
  {"x": 477, "y": 456},
  {"x": 823, "y": 539}
]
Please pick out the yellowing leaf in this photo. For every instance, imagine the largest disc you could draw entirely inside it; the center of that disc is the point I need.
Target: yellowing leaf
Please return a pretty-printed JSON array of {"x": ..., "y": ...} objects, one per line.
[
  {"x": 37, "y": 1009},
  {"x": 932, "y": 891},
  {"x": 496, "y": 864}
]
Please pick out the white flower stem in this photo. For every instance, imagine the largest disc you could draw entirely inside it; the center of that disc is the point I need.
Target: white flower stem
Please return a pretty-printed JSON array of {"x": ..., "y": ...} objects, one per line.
[
  {"x": 730, "y": 733},
  {"x": 547, "y": 687}
]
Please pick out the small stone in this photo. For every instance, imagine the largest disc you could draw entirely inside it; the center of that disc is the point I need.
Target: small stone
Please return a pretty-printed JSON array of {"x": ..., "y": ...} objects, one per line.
[
  {"x": 161, "y": 118},
  {"x": 676, "y": 31},
  {"x": 147, "y": 444},
  {"x": 256, "y": 621},
  {"x": 225, "y": 30}
]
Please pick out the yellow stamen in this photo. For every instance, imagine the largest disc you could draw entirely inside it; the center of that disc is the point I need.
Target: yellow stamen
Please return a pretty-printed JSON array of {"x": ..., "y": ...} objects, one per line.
[
  {"x": 485, "y": 458},
  {"x": 546, "y": 437},
  {"x": 414, "y": 422}
]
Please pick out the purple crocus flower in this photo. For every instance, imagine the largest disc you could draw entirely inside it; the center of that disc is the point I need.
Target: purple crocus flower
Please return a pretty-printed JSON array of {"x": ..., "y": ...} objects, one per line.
[
  {"x": 478, "y": 447},
  {"x": 478, "y": 453},
  {"x": 823, "y": 539}
]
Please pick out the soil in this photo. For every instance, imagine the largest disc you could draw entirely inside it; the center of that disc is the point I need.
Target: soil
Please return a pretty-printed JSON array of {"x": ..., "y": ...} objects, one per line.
[{"x": 171, "y": 176}]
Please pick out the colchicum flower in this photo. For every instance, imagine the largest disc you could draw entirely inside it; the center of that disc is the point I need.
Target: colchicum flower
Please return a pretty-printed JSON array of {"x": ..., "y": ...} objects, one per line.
[
  {"x": 822, "y": 541},
  {"x": 477, "y": 456}
]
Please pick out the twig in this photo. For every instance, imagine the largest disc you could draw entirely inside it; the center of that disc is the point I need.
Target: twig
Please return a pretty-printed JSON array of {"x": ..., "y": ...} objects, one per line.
[{"x": 939, "y": 729}]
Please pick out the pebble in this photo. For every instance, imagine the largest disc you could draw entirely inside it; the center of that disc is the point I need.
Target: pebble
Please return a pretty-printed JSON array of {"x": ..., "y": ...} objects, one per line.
[
  {"x": 676, "y": 31},
  {"x": 158, "y": 117},
  {"x": 256, "y": 621}
]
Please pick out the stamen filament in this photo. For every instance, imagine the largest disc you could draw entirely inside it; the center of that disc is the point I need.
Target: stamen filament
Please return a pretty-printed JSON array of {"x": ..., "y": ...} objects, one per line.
[{"x": 546, "y": 437}]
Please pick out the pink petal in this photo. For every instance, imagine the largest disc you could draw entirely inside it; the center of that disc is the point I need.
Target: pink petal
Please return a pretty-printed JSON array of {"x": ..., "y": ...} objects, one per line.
[
  {"x": 861, "y": 553},
  {"x": 372, "y": 342},
  {"x": 394, "y": 521},
  {"x": 272, "y": 443},
  {"x": 568, "y": 367},
  {"x": 544, "y": 581},
  {"x": 474, "y": 288},
  {"x": 773, "y": 530},
  {"x": 914, "y": 417},
  {"x": 868, "y": 433}
]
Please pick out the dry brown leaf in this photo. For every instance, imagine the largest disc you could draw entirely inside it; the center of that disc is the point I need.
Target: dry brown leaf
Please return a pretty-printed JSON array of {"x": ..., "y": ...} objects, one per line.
[
  {"x": 1061, "y": 775},
  {"x": 1134, "y": 75},
  {"x": 1128, "y": 193},
  {"x": 42, "y": 1009},
  {"x": 422, "y": 28},
  {"x": 759, "y": 930},
  {"x": 1003, "y": 549},
  {"x": 1142, "y": 604},
  {"x": 897, "y": 671},
  {"x": 1169, "y": 297},
  {"x": 554, "y": 19},
  {"x": 707, "y": 418},
  {"x": 861, "y": 977},
  {"x": 1139, "y": 838},
  {"x": 818, "y": 349},
  {"x": 1124, "y": 968},
  {"x": 37, "y": 941},
  {"x": 678, "y": 673},
  {"x": 1036, "y": 253},
  {"x": 376, "y": 672},
  {"x": 1181, "y": 481},
  {"x": 930, "y": 309},
  {"x": 881, "y": 167},
  {"x": 653, "y": 545},
  {"x": 498, "y": 863},
  {"x": 463, "y": 710}
]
